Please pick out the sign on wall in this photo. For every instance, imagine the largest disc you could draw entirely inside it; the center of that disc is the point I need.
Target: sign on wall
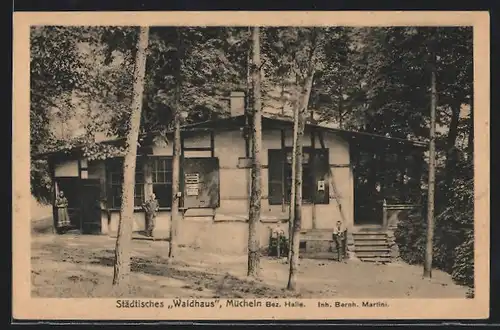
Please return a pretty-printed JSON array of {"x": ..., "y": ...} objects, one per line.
[{"x": 192, "y": 182}]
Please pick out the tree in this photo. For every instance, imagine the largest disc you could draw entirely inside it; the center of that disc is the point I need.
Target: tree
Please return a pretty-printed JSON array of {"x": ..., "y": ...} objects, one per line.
[
  {"x": 80, "y": 85},
  {"x": 432, "y": 164},
  {"x": 302, "y": 113},
  {"x": 291, "y": 209},
  {"x": 176, "y": 159},
  {"x": 256, "y": 192},
  {"x": 123, "y": 240},
  {"x": 52, "y": 79}
]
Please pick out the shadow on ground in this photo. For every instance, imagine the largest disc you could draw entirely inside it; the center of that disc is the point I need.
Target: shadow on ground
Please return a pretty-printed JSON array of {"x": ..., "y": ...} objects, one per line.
[
  {"x": 82, "y": 266},
  {"x": 208, "y": 282}
]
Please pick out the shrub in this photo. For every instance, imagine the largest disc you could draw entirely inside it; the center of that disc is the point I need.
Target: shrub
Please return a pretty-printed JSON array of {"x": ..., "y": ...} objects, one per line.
[
  {"x": 463, "y": 267},
  {"x": 410, "y": 238}
]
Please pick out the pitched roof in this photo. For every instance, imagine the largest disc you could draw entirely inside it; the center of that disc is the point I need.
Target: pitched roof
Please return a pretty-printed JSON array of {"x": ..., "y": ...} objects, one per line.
[{"x": 268, "y": 120}]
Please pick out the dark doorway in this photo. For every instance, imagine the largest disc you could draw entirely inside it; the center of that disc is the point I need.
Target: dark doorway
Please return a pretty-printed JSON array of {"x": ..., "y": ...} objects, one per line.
[{"x": 90, "y": 206}]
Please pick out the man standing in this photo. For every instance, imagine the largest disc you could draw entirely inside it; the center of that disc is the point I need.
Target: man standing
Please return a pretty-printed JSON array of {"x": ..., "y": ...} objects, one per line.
[
  {"x": 339, "y": 238},
  {"x": 151, "y": 208}
]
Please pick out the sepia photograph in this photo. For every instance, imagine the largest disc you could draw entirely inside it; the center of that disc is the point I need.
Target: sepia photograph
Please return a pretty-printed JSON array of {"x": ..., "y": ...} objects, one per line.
[{"x": 239, "y": 170}]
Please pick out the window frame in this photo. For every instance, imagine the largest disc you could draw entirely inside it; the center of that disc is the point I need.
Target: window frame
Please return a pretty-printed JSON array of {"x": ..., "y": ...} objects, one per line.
[
  {"x": 114, "y": 168},
  {"x": 168, "y": 179}
]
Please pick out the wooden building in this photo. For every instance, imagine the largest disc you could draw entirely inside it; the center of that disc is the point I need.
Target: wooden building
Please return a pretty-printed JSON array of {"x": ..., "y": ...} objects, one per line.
[{"x": 215, "y": 181}]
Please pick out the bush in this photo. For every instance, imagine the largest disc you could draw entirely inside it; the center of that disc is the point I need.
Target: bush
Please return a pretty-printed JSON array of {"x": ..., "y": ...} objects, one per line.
[
  {"x": 410, "y": 238},
  {"x": 463, "y": 267}
]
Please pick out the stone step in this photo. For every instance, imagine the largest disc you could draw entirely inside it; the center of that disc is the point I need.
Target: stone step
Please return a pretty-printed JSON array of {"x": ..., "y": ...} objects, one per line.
[
  {"x": 371, "y": 249},
  {"x": 319, "y": 255},
  {"x": 376, "y": 259},
  {"x": 369, "y": 236},
  {"x": 369, "y": 254},
  {"x": 371, "y": 243}
]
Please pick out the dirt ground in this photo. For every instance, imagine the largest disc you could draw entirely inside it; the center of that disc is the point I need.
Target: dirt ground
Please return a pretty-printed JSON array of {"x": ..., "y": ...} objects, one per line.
[{"x": 82, "y": 266}]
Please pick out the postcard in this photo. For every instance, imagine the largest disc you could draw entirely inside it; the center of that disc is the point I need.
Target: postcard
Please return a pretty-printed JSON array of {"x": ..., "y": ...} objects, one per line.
[{"x": 250, "y": 165}]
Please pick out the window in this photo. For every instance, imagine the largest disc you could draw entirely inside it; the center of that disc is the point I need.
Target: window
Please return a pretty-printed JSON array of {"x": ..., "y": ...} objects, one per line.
[
  {"x": 162, "y": 180},
  {"x": 115, "y": 176},
  {"x": 315, "y": 168}
]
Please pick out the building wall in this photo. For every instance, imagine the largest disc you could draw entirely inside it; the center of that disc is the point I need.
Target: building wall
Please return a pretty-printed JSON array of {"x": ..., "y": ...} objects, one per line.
[{"x": 226, "y": 228}]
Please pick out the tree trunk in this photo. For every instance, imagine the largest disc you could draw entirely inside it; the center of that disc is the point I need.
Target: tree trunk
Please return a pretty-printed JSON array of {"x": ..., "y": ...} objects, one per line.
[
  {"x": 432, "y": 174},
  {"x": 451, "y": 140},
  {"x": 470, "y": 137},
  {"x": 124, "y": 238},
  {"x": 176, "y": 159},
  {"x": 341, "y": 107},
  {"x": 176, "y": 166},
  {"x": 291, "y": 209},
  {"x": 297, "y": 202},
  {"x": 256, "y": 193}
]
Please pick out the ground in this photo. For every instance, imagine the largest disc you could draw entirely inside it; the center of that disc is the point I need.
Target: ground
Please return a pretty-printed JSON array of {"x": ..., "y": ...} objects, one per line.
[{"x": 82, "y": 266}]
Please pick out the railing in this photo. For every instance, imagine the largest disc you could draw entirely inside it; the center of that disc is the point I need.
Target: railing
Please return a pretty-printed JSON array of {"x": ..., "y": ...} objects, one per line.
[{"x": 392, "y": 213}]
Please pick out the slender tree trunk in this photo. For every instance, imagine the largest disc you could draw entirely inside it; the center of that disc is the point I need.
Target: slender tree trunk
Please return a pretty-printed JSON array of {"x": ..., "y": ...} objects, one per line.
[
  {"x": 256, "y": 193},
  {"x": 123, "y": 240},
  {"x": 176, "y": 159},
  {"x": 283, "y": 101},
  {"x": 432, "y": 174},
  {"x": 452, "y": 139},
  {"x": 341, "y": 107},
  {"x": 291, "y": 209},
  {"x": 176, "y": 166},
  {"x": 297, "y": 202},
  {"x": 470, "y": 137}
]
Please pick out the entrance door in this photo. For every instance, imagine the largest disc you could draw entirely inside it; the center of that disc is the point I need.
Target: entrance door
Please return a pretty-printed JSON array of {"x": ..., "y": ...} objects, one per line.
[{"x": 91, "y": 208}]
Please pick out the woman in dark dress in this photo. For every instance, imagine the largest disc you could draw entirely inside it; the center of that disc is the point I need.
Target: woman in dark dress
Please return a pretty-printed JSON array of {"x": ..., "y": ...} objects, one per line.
[{"x": 63, "y": 220}]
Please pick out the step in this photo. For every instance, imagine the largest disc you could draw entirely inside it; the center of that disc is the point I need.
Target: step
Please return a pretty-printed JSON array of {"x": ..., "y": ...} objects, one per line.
[
  {"x": 371, "y": 249},
  {"x": 371, "y": 243},
  {"x": 358, "y": 236},
  {"x": 380, "y": 260},
  {"x": 371, "y": 254},
  {"x": 319, "y": 255},
  {"x": 369, "y": 233}
]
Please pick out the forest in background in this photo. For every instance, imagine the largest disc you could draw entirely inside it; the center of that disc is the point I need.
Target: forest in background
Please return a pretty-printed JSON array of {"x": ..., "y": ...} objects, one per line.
[{"x": 375, "y": 80}]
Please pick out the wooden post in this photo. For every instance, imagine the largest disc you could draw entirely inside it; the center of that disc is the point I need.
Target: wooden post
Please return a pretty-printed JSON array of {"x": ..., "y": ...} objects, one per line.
[{"x": 384, "y": 214}]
